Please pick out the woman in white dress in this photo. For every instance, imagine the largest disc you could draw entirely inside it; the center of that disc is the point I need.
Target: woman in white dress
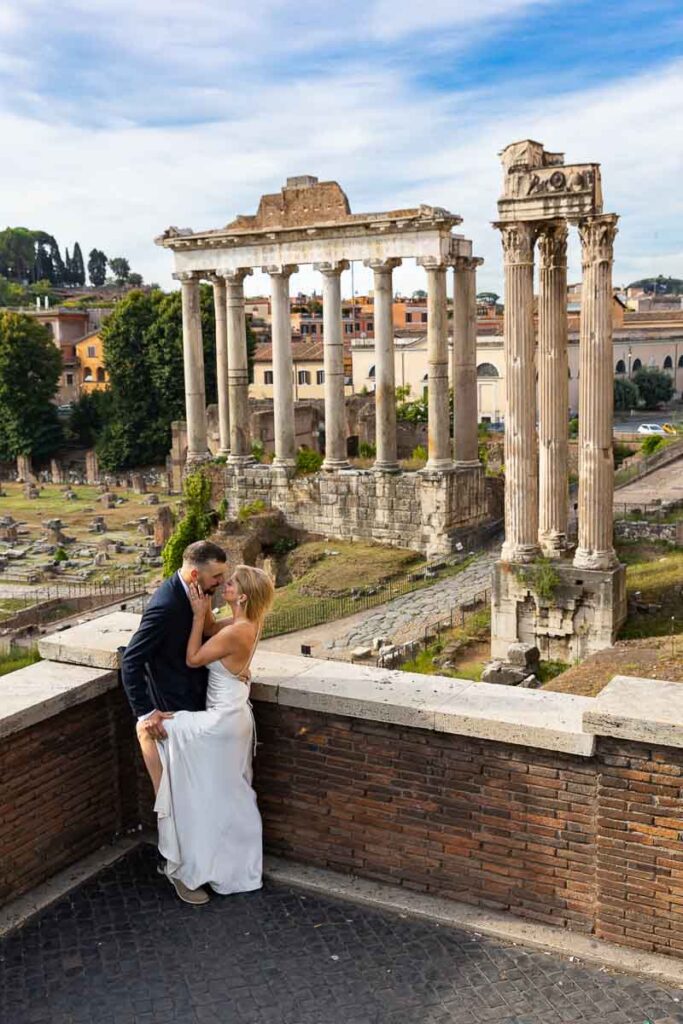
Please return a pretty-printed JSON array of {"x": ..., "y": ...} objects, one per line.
[{"x": 209, "y": 822}]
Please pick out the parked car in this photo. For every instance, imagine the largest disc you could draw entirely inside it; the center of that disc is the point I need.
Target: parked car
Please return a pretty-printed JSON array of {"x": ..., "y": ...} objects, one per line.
[
  {"x": 668, "y": 428},
  {"x": 652, "y": 428}
]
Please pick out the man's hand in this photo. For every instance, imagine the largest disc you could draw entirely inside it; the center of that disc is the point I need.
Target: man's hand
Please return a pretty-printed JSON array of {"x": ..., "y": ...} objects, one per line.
[{"x": 153, "y": 725}]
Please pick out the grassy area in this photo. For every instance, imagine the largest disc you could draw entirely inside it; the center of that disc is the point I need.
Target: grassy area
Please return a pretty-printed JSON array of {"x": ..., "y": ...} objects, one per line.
[
  {"x": 656, "y": 571},
  {"x": 14, "y": 660},
  {"x": 10, "y": 605},
  {"x": 461, "y": 647}
]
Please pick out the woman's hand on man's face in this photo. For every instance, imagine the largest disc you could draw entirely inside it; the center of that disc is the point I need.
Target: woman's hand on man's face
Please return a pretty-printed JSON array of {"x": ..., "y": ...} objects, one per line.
[{"x": 201, "y": 602}]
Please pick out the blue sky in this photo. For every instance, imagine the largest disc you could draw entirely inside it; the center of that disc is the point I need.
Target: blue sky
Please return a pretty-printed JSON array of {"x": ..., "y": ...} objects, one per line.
[{"x": 121, "y": 118}]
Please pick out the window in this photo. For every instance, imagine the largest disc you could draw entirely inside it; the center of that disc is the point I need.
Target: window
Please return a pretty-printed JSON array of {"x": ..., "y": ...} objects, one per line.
[
  {"x": 621, "y": 366},
  {"x": 409, "y": 318},
  {"x": 424, "y": 318},
  {"x": 87, "y": 373},
  {"x": 371, "y": 372},
  {"x": 680, "y": 363},
  {"x": 668, "y": 363},
  {"x": 304, "y": 377},
  {"x": 637, "y": 365},
  {"x": 320, "y": 376},
  {"x": 304, "y": 328},
  {"x": 486, "y": 370},
  {"x": 371, "y": 327},
  {"x": 267, "y": 376},
  {"x": 100, "y": 375},
  {"x": 92, "y": 352},
  {"x": 69, "y": 378},
  {"x": 348, "y": 328}
]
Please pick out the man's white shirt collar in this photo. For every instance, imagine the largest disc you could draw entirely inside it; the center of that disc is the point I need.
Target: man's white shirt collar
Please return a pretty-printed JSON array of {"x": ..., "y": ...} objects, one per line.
[{"x": 186, "y": 586}]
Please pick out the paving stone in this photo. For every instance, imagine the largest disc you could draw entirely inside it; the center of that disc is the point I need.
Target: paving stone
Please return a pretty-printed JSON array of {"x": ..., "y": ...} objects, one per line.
[{"x": 123, "y": 950}]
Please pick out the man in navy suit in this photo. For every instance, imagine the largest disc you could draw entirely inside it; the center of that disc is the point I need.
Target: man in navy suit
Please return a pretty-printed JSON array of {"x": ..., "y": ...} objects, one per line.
[{"x": 154, "y": 672}]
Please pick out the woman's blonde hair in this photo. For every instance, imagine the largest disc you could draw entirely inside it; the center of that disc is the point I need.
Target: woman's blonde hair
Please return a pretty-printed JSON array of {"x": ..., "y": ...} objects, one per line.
[{"x": 258, "y": 588}]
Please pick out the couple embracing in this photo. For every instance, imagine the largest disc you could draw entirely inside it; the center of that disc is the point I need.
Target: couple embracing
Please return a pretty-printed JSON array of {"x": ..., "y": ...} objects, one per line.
[{"x": 186, "y": 676}]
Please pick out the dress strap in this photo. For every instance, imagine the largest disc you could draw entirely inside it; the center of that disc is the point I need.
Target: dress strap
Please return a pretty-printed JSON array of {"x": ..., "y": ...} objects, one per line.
[{"x": 251, "y": 653}]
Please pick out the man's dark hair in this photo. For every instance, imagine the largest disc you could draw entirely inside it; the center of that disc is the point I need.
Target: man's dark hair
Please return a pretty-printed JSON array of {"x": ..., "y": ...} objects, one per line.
[{"x": 202, "y": 551}]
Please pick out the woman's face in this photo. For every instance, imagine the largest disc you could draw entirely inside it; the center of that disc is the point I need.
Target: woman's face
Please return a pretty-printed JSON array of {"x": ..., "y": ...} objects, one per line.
[{"x": 231, "y": 589}]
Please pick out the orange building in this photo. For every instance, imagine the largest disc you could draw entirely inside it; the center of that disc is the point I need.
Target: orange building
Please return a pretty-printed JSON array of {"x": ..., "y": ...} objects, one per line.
[{"x": 90, "y": 356}]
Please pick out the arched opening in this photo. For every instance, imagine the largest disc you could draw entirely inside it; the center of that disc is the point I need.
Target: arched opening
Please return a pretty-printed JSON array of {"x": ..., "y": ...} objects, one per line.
[
  {"x": 371, "y": 372},
  {"x": 680, "y": 363},
  {"x": 487, "y": 370},
  {"x": 637, "y": 365},
  {"x": 87, "y": 373},
  {"x": 668, "y": 363},
  {"x": 621, "y": 366},
  {"x": 101, "y": 376}
]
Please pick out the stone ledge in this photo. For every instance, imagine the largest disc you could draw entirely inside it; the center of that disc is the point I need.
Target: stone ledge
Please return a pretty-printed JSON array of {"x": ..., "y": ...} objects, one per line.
[
  {"x": 633, "y": 708},
  {"x": 40, "y": 691},
  {"x": 551, "y": 721}
]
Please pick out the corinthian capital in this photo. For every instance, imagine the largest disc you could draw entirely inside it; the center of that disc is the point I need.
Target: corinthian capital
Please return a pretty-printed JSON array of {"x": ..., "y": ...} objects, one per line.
[
  {"x": 597, "y": 238},
  {"x": 518, "y": 242},
  {"x": 466, "y": 262},
  {"x": 280, "y": 269},
  {"x": 235, "y": 276},
  {"x": 185, "y": 276},
  {"x": 552, "y": 244}
]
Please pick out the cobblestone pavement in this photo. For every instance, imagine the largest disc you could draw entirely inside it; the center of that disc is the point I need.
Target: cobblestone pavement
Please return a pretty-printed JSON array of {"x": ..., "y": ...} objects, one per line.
[
  {"x": 123, "y": 950},
  {"x": 405, "y": 618}
]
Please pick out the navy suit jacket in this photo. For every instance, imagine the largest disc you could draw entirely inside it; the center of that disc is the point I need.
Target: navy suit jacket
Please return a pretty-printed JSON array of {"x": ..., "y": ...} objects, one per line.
[{"x": 153, "y": 669}]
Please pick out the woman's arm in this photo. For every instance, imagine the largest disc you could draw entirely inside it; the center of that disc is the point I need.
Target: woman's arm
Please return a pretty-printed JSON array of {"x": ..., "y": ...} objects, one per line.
[{"x": 227, "y": 641}]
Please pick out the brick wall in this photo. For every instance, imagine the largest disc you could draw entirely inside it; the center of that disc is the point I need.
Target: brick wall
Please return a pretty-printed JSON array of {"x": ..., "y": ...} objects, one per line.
[
  {"x": 592, "y": 844},
  {"x": 68, "y": 786}
]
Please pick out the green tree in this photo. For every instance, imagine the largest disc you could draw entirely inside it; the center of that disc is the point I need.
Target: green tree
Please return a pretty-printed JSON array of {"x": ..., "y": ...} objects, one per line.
[
  {"x": 77, "y": 267},
  {"x": 89, "y": 416},
  {"x": 626, "y": 395},
  {"x": 120, "y": 268},
  {"x": 135, "y": 280},
  {"x": 11, "y": 293},
  {"x": 30, "y": 367},
  {"x": 17, "y": 254},
  {"x": 97, "y": 267},
  {"x": 654, "y": 386},
  {"x": 195, "y": 525}
]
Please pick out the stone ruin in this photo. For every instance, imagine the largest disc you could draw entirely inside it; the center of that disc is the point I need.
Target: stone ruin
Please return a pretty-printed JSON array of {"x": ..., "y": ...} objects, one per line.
[
  {"x": 309, "y": 222},
  {"x": 567, "y": 603}
]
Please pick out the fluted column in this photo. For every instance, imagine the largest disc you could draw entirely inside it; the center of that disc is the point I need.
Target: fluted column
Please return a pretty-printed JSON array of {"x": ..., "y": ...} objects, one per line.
[
  {"x": 521, "y": 455},
  {"x": 596, "y": 404},
  {"x": 553, "y": 389},
  {"x": 221, "y": 362},
  {"x": 438, "y": 415},
  {"x": 238, "y": 368},
  {"x": 335, "y": 408},
  {"x": 386, "y": 460},
  {"x": 283, "y": 385},
  {"x": 464, "y": 358},
  {"x": 193, "y": 367}
]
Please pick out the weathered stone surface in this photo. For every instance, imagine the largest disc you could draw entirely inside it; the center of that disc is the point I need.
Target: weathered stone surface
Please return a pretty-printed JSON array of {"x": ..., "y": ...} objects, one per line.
[{"x": 39, "y": 691}]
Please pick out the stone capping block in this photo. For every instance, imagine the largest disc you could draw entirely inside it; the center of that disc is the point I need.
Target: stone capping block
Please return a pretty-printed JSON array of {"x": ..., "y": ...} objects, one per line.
[
  {"x": 640, "y": 709},
  {"x": 644, "y": 710},
  {"x": 40, "y": 691}
]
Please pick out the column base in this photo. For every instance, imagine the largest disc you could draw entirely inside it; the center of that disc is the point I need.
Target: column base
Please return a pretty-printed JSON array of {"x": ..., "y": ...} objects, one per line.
[
  {"x": 519, "y": 552},
  {"x": 197, "y": 458},
  {"x": 553, "y": 545},
  {"x": 439, "y": 464},
  {"x": 386, "y": 467},
  {"x": 282, "y": 462},
  {"x": 605, "y": 560},
  {"x": 334, "y": 465},
  {"x": 223, "y": 452},
  {"x": 241, "y": 460},
  {"x": 467, "y": 463}
]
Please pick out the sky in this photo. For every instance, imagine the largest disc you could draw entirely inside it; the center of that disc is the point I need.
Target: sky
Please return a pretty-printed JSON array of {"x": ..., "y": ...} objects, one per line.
[{"x": 121, "y": 117}]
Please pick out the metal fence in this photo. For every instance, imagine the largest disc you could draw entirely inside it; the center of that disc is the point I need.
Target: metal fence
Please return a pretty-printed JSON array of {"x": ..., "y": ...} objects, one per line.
[
  {"x": 654, "y": 511},
  {"x": 121, "y": 585},
  {"x": 457, "y": 618},
  {"x": 327, "y": 609}
]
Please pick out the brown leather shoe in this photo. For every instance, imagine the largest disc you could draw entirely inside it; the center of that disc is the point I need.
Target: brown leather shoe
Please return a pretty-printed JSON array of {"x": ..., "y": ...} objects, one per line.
[{"x": 195, "y": 897}]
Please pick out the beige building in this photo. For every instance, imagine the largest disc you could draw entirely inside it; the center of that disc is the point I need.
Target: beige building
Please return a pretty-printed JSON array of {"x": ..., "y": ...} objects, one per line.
[{"x": 308, "y": 371}]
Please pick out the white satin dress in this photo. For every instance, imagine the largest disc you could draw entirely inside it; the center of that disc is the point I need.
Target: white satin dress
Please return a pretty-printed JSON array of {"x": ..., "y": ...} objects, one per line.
[{"x": 209, "y": 822}]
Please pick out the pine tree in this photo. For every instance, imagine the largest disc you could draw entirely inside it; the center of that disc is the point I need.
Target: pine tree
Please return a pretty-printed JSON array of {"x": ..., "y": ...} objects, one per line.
[{"x": 97, "y": 267}]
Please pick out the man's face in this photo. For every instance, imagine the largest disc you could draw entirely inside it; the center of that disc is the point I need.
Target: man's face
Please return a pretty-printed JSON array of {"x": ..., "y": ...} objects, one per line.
[{"x": 210, "y": 576}]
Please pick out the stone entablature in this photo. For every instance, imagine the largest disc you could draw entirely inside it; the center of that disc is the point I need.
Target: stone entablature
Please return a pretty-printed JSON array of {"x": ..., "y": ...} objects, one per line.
[{"x": 538, "y": 185}]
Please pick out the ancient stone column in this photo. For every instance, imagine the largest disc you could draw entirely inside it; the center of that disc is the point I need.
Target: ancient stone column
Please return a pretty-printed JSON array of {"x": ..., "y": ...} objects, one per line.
[
  {"x": 553, "y": 389},
  {"x": 596, "y": 382},
  {"x": 386, "y": 460},
  {"x": 237, "y": 369},
  {"x": 219, "y": 302},
  {"x": 193, "y": 364},
  {"x": 521, "y": 455},
  {"x": 335, "y": 408},
  {"x": 438, "y": 421},
  {"x": 464, "y": 358},
  {"x": 283, "y": 385}
]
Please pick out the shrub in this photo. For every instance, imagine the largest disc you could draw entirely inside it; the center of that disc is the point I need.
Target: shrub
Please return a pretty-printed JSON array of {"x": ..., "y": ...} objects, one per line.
[
  {"x": 257, "y": 450},
  {"x": 574, "y": 426},
  {"x": 61, "y": 555},
  {"x": 419, "y": 453},
  {"x": 649, "y": 445},
  {"x": 195, "y": 524},
  {"x": 252, "y": 508},
  {"x": 367, "y": 450},
  {"x": 222, "y": 510},
  {"x": 540, "y": 577},
  {"x": 308, "y": 461}
]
